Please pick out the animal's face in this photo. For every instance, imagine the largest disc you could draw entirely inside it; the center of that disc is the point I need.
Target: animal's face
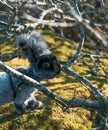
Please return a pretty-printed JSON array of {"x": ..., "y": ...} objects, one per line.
[{"x": 47, "y": 67}]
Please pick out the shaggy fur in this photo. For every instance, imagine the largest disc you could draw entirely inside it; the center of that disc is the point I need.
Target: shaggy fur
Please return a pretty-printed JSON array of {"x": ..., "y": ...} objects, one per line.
[{"x": 43, "y": 65}]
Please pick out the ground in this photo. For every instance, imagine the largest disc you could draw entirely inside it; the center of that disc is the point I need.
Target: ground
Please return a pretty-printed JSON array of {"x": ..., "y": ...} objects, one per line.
[{"x": 52, "y": 116}]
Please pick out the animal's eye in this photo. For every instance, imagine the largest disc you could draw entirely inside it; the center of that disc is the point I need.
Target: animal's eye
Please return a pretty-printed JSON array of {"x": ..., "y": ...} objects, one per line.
[{"x": 45, "y": 64}]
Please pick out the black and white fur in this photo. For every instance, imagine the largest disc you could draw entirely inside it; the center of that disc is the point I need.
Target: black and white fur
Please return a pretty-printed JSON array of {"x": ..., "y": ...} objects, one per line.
[{"x": 43, "y": 65}]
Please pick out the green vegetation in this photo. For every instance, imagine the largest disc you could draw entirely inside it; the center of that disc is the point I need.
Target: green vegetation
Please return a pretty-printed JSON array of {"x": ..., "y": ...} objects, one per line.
[{"x": 51, "y": 117}]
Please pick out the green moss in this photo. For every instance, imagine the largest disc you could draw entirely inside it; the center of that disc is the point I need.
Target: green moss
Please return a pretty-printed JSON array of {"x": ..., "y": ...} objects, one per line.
[{"x": 8, "y": 47}]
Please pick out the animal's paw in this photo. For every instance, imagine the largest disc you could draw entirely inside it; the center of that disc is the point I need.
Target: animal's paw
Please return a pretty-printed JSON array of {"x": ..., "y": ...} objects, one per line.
[
  {"x": 31, "y": 105},
  {"x": 34, "y": 104}
]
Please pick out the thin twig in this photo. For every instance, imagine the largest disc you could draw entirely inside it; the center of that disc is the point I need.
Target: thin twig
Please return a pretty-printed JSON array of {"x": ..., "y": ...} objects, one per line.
[{"x": 76, "y": 56}]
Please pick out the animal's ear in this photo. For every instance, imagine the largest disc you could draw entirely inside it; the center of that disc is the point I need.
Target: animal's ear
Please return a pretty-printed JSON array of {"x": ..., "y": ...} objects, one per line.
[{"x": 33, "y": 45}]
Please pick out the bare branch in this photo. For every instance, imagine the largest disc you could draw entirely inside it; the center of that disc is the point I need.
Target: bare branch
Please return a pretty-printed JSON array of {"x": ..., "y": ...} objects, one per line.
[
  {"x": 6, "y": 5},
  {"x": 75, "y": 57},
  {"x": 51, "y": 23},
  {"x": 33, "y": 83},
  {"x": 96, "y": 92},
  {"x": 74, "y": 102},
  {"x": 89, "y": 105}
]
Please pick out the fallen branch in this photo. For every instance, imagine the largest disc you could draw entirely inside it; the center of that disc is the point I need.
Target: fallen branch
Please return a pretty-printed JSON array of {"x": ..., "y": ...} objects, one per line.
[
  {"x": 99, "y": 95},
  {"x": 87, "y": 104},
  {"x": 33, "y": 83},
  {"x": 74, "y": 102}
]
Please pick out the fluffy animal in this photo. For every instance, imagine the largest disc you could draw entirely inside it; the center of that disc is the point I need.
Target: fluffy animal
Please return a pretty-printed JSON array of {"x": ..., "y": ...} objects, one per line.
[{"x": 43, "y": 65}]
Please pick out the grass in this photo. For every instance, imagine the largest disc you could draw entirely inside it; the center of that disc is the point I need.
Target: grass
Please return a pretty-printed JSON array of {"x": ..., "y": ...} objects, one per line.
[{"x": 51, "y": 117}]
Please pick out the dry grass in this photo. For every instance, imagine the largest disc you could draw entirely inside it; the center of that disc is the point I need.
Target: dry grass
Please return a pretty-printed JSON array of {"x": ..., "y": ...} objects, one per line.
[{"x": 51, "y": 117}]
